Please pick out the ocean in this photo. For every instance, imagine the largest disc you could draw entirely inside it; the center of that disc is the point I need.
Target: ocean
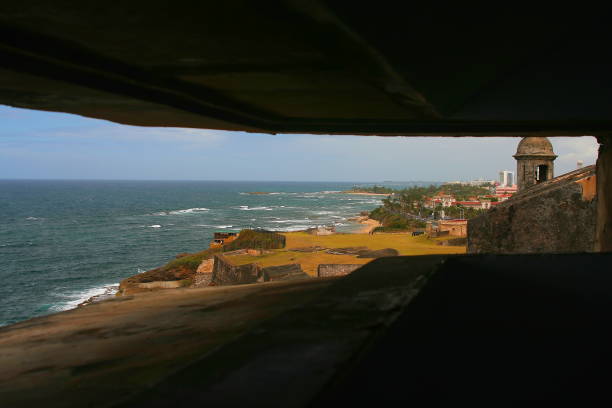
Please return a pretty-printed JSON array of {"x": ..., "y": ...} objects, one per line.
[{"x": 62, "y": 242}]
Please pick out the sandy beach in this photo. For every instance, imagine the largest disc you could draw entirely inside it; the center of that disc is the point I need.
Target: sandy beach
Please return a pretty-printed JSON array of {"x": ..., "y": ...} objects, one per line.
[{"x": 368, "y": 225}]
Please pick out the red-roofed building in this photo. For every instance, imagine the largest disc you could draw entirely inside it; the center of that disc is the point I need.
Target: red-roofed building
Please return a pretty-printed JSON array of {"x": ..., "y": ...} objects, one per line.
[
  {"x": 474, "y": 204},
  {"x": 506, "y": 190}
]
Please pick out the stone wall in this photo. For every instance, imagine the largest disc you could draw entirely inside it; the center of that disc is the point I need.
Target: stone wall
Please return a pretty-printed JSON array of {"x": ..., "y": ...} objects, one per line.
[
  {"x": 282, "y": 272},
  {"x": 203, "y": 275},
  {"x": 327, "y": 270},
  {"x": 226, "y": 273},
  {"x": 557, "y": 216}
]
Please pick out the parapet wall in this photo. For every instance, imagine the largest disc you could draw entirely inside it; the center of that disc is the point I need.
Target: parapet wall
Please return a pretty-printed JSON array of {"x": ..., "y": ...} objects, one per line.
[
  {"x": 554, "y": 217},
  {"x": 282, "y": 272},
  {"x": 327, "y": 270}
]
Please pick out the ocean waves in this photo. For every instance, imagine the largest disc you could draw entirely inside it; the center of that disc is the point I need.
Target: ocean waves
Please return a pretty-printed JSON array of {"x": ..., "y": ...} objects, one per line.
[
  {"x": 181, "y": 212},
  {"x": 72, "y": 299},
  {"x": 260, "y": 208},
  {"x": 85, "y": 248}
]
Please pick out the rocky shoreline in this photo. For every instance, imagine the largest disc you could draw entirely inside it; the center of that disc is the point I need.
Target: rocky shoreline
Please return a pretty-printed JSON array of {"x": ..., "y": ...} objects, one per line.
[
  {"x": 367, "y": 225},
  {"x": 109, "y": 293}
]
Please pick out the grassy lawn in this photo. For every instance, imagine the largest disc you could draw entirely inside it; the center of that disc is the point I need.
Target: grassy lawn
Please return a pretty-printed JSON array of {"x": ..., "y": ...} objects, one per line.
[{"x": 405, "y": 244}]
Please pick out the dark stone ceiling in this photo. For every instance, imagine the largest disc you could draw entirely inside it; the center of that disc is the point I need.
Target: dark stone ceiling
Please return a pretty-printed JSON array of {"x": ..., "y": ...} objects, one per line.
[{"x": 298, "y": 66}]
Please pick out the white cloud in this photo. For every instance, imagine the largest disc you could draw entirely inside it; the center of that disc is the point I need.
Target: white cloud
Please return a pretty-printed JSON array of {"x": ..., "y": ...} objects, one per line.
[
  {"x": 175, "y": 136},
  {"x": 572, "y": 149}
]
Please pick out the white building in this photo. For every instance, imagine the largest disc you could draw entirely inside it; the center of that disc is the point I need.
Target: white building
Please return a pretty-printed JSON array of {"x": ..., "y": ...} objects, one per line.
[{"x": 506, "y": 178}]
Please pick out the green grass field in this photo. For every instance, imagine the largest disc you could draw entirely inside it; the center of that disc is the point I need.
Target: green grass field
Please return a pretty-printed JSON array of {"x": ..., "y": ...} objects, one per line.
[{"x": 405, "y": 244}]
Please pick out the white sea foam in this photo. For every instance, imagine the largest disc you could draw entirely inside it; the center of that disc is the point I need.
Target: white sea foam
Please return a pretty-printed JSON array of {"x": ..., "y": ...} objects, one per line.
[
  {"x": 73, "y": 299},
  {"x": 289, "y": 221},
  {"x": 33, "y": 218},
  {"x": 189, "y": 210},
  {"x": 247, "y": 208},
  {"x": 155, "y": 226},
  {"x": 290, "y": 228},
  {"x": 185, "y": 211}
]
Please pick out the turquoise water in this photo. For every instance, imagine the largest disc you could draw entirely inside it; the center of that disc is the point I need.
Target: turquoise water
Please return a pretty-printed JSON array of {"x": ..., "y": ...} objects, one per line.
[{"x": 62, "y": 242}]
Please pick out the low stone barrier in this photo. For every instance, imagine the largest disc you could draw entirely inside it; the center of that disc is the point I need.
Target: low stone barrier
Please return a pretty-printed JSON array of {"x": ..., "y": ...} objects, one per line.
[
  {"x": 282, "y": 272},
  {"x": 161, "y": 284},
  {"x": 327, "y": 270}
]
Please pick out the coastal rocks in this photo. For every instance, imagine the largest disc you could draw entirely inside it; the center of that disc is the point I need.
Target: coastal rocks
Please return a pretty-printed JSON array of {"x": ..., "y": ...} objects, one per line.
[
  {"x": 132, "y": 285},
  {"x": 322, "y": 230},
  {"x": 198, "y": 269},
  {"x": 109, "y": 293}
]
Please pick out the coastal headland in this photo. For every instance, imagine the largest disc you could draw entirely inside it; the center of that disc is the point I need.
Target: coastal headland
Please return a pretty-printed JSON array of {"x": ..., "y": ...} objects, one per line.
[
  {"x": 307, "y": 249},
  {"x": 162, "y": 322}
]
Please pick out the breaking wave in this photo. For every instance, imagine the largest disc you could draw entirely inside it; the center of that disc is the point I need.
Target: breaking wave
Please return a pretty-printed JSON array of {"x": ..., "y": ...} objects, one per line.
[
  {"x": 247, "y": 208},
  {"x": 97, "y": 293},
  {"x": 185, "y": 211}
]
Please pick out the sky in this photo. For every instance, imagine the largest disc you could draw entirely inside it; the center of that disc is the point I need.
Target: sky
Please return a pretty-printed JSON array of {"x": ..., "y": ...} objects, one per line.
[{"x": 48, "y": 145}]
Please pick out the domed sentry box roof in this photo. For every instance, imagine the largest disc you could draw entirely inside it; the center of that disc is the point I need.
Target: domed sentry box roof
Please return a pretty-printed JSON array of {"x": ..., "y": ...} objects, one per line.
[{"x": 535, "y": 146}]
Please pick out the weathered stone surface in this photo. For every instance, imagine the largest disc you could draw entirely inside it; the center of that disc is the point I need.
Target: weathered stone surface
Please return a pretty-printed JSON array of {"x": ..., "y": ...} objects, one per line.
[
  {"x": 378, "y": 253},
  {"x": 454, "y": 242},
  {"x": 206, "y": 266},
  {"x": 95, "y": 356},
  {"x": 282, "y": 272},
  {"x": 327, "y": 270},
  {"x": 225, "y": 273},
  {"x": 553, "y": 216},
  {"x": 203, "y": 276},
  {"x": 531, "y": 153}
]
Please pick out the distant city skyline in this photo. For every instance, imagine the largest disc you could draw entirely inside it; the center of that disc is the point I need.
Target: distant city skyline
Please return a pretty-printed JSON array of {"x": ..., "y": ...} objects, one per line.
[{"x": 47, "y": 145}]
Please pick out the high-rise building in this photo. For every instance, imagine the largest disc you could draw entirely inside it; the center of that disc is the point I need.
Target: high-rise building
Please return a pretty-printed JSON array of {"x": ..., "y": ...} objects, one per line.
[{"x": 506, "y": 178}]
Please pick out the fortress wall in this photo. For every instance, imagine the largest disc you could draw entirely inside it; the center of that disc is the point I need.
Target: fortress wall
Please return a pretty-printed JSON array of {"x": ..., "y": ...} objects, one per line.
[
  {"x": 327, "y": 270},
  {"x": 225, "y": 273},
  {"x": 283, "y": 272},
  {"x": 556, "y": 217},
  {"x": 203, "y": 275}
]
